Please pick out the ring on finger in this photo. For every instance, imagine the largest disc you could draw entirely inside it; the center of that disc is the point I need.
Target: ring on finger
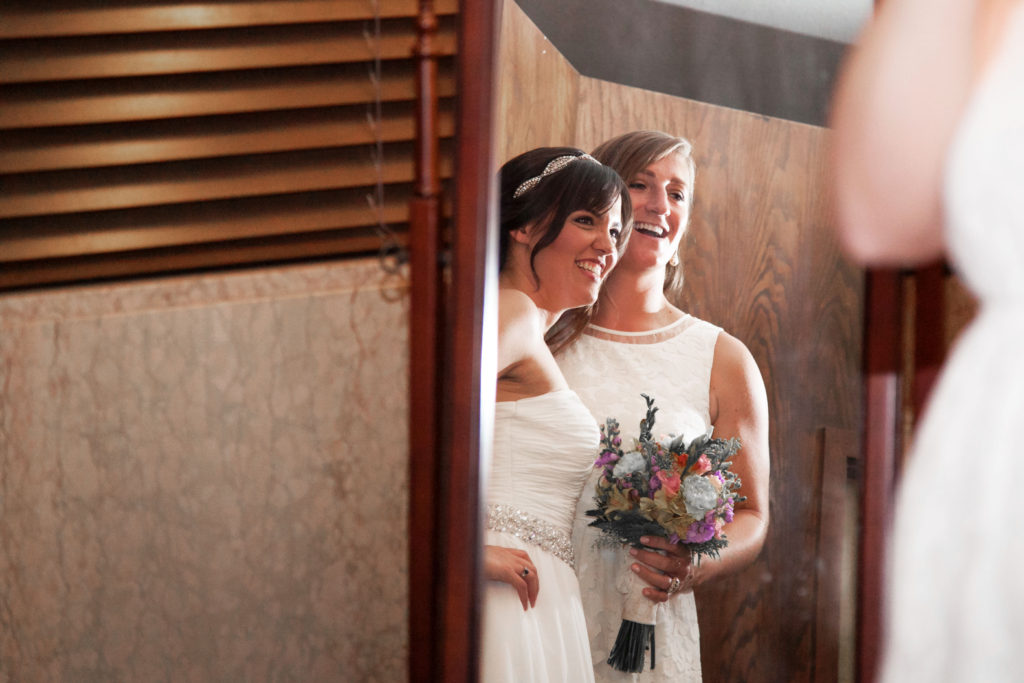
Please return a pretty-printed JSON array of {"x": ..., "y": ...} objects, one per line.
[
  {"x": 673, "y": 585},
  {"x": 525, "y": 572}
]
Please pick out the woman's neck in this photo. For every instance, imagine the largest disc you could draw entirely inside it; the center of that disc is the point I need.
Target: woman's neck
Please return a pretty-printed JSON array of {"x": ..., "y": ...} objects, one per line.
[
  {"x": 528, "y": 286},
  {"x": 635, "y": 303}
]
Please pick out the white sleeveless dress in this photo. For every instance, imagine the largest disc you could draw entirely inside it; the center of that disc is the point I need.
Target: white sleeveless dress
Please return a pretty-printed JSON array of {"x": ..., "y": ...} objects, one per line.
[
  {"x": 544, "y": 448},
  {"x": 610, "y": 371},
  {"x": 956, "y": 592}
]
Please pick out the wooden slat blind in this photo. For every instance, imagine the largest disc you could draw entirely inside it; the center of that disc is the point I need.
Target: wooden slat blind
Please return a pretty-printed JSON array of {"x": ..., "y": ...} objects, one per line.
[{"x": 158, "y": 136}]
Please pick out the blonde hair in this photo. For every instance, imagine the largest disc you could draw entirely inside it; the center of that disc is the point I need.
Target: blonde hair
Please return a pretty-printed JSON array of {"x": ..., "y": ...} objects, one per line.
[{"x": 631, "y": 153}]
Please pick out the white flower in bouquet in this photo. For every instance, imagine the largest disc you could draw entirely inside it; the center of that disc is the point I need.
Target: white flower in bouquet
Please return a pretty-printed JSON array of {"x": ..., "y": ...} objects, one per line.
[
  {"x": 700, "y": 495},
  {"x": 631, "y": 462}
]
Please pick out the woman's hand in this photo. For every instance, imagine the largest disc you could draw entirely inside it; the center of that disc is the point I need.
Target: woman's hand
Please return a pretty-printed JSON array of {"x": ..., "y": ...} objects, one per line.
[
  {"x": 513, "y": 567},
  {"x": 663, "y": 570}
]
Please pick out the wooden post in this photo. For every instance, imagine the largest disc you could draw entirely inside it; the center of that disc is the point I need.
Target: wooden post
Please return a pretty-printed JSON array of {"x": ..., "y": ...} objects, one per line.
[
  {"x": 446, "y": 339},
  {"x": 425, "y": 351},
  {"x": 929, "y": 332},
  {"x": 882, "y": 364}
]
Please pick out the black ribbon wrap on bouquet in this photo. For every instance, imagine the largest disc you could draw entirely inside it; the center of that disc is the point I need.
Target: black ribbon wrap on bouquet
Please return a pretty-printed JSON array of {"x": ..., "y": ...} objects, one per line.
[
  {"x": 636, "y": 632},
  {"x": 630, "y": 646}
]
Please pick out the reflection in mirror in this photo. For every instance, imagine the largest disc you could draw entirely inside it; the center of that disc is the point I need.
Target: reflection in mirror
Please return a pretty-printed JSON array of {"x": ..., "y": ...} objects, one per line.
[{"x": 760, "y": 261}]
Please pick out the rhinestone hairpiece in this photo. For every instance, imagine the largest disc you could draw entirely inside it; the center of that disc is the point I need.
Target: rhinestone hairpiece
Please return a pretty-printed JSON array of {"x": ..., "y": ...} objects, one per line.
[{"x": 554, "y": 166}]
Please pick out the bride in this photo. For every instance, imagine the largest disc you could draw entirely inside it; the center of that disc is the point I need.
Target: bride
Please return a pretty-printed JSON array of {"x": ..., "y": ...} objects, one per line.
[
  {"x": 564, "y": 219},
  {"x": 929, "y": 156}
]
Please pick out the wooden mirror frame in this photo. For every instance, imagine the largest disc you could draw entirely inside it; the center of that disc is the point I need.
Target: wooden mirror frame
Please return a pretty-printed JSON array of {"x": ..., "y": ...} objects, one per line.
[{"x": 451, "y": 275}]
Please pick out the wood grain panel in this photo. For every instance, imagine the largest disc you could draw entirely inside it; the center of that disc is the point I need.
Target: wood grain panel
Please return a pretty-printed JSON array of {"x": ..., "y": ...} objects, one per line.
[
  {"x": 762, "y": 261},
  {"x": 837, "y": 497},
  {"x": 537, "y": 89},
  {"x": 961, "y": 307}
]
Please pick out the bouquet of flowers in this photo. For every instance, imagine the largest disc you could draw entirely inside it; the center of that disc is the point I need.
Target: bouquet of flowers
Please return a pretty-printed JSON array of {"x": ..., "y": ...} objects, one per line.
[{"x": 683, "y": 492}]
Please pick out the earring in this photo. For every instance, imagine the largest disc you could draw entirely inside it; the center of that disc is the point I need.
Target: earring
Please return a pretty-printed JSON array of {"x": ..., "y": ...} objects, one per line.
[{"x": 674, "y": 261}]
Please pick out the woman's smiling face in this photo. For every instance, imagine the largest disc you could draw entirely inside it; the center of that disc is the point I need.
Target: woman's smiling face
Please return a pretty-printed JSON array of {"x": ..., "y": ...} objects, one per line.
[
  {"x": 661, "y": 195},
  {"x": 570, "y": 269}
]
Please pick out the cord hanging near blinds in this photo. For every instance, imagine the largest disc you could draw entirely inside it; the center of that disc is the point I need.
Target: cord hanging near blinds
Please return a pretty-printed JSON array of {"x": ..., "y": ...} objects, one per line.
[{"x": 152, "y": 137}]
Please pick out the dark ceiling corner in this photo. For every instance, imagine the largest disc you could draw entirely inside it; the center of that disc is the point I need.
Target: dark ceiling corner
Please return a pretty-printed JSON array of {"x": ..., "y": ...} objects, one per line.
[{"x": 693, "y": 54}]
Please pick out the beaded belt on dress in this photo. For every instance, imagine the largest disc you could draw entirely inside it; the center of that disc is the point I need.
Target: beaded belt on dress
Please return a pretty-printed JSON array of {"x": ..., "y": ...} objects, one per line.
[{"x": 530, "y": 529}]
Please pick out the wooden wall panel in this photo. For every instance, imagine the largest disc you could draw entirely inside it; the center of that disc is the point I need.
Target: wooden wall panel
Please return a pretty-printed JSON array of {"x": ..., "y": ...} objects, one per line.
[
  {"x": 536, "y": 92},
  {"x": 961, "y": 307},
  {"x": 762, "y": 261}
]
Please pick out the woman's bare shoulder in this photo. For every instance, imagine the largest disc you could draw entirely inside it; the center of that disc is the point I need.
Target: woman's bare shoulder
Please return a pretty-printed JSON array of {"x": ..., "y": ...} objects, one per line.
[
  {"x": 519, "y": 328},
  {"x": 517, "y": 312},
  {"x": 734, "y": 372},
  {"x": 514, "y": 300},
  {"x": 730, "y": 352}
]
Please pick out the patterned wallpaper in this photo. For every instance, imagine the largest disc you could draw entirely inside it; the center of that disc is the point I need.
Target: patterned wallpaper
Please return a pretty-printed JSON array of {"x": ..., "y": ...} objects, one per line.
[{"x": 203, "y": 479}]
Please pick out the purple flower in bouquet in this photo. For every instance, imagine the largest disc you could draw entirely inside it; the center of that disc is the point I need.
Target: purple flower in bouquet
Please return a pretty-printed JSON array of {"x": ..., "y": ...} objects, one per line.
[
  {"x": 700, "y": 532},
  {"x": 606, "y": 458},
  {"x": 727, "y": 511}
]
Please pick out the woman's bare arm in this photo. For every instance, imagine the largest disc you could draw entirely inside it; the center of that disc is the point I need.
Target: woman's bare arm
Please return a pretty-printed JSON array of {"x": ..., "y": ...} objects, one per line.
[
  {"x": 739, "y": 408},
  {"x": 899, "y": 97}
]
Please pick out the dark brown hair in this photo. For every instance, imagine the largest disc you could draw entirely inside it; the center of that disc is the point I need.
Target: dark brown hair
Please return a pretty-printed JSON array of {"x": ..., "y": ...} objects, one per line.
[{"x": 582, "y": 184}]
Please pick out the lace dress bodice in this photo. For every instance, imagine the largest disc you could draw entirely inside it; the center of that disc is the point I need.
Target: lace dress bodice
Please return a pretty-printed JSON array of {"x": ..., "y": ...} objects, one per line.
[{"x": 610, "y": 370}]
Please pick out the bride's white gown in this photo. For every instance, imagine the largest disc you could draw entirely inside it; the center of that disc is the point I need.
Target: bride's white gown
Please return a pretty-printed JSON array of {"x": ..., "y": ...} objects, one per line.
[
  {"x": 544, "y": 448},
  {"x": 956, "y": 596}
]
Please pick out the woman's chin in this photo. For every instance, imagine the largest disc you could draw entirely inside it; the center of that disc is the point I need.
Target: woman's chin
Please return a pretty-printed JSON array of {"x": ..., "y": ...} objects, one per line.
[
  {"x": 645, "y": 262},
  {"x": 586, "y": 299}
]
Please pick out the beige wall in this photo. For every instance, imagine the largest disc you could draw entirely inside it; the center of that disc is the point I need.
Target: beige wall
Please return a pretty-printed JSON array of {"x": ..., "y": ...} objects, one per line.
[{"x": 203, "y": 478}]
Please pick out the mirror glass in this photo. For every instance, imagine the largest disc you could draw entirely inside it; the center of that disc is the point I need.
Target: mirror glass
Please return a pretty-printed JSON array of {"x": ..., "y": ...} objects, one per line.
[{"x": 761, "y": 261}]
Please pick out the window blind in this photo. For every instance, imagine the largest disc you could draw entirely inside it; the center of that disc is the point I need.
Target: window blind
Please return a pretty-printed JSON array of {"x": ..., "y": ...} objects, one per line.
[{"x": 152, "y": 137}]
